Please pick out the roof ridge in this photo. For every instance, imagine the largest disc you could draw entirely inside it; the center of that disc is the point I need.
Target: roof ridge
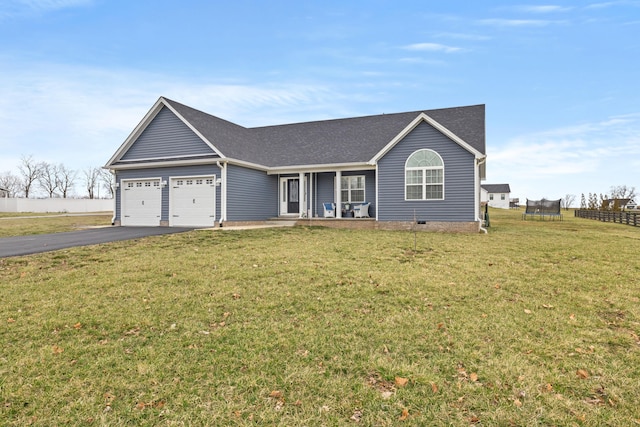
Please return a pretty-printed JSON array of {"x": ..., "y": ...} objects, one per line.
[{"x": 368, "y": 116}]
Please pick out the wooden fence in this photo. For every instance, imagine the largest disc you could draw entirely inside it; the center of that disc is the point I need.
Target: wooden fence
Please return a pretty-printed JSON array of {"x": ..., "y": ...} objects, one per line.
[{"x": 629, "y": 218}]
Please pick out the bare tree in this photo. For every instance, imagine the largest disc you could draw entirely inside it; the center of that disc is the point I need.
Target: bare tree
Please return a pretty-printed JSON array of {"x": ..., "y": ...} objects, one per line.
[
  {"x": 48, "y": 178},
  {"x": 567, "y": 201},
  {"x": 65, "y": 180},
  {"x": 29, "y": 171},
  {"x": 91, "y": 176},
  {"x": 11, "y": 183},
  {"x": 106, "y": 180},
  {"x": 623, "y": 192}
]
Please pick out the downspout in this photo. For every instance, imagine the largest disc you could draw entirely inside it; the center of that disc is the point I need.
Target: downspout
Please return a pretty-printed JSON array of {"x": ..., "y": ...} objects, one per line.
[
  {"x": 480, "y": 161},
  {"x": 223, "y": 192},
  {"x": 115, "y": 189}
]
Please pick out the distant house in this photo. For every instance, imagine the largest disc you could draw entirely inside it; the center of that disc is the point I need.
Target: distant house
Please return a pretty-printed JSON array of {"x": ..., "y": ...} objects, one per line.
[
  {"x": 183, "y": 167},
  {"x": 496, "y": 195},
  {"x": 620, "y": 204},
  {"x": 4, "y": 193}
]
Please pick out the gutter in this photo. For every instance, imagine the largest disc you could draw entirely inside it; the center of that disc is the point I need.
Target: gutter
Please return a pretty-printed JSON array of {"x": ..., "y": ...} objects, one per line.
[
  {"x": 479, "y": 162},
  {"x": 223, "y": 192}
]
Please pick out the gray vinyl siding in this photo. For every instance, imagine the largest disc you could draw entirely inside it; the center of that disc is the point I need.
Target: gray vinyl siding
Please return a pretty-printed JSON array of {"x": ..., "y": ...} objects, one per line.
[
  {"x": 252, "y": 195},
  {"x": 165, "y": 174},
  {"x": 324, "y": 190},
  {"x": 167, "y": 137},
  {"x": 459, "y": 167}
]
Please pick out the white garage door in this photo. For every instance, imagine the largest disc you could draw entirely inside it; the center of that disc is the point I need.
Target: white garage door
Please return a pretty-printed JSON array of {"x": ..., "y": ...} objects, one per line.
[
  {"x": 141, "y": 201},
  {"x": 193, "y": 202}
]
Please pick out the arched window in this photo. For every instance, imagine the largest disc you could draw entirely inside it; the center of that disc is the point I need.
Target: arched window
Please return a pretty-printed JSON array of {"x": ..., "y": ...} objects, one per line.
[{"x": 424, "y": 176}]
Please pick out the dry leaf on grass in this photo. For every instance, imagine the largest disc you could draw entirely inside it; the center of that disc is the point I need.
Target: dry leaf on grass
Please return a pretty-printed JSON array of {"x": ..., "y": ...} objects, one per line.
[
  {"x": 401, "y": 382},
  {"x": 582, "y": 373},
  {"x": 275, "y": 394},
  {"x": 473, "y": 377},
  {"x": 357, "y": 415},
  {"x": 57, "y": 349},
  {"x": 405, "y": 414},
  {"x": 434, "y": 387}
]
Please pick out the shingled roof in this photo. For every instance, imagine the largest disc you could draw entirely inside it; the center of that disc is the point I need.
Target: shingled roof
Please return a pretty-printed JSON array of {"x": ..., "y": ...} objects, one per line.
[
  {"x": 496, "y": 188},
  {"x": 351, "y": 140}
]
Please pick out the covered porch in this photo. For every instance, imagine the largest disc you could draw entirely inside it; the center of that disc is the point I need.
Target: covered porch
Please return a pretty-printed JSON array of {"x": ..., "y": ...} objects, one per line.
[{"x": 342, "y": 194}]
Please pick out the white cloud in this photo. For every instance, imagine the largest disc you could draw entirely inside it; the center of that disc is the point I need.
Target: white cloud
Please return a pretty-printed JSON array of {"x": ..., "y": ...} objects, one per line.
[
  {"x": 432, "y": 47},
  {"x": 22, "y": 8},
  {"x": 419, "y": 60},
  {"x": 542, "y": 8},
  {"x": 463, "y": 36},
  {"x": 519, "y": 22},
  {"x": 80, "y": 115},
  {"x": 573, "y": 159},
  {"x": 603, "y": 5}
]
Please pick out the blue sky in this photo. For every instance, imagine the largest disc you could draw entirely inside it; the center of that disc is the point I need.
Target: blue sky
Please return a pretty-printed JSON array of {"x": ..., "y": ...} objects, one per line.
[{"x": 560, "y": 80}]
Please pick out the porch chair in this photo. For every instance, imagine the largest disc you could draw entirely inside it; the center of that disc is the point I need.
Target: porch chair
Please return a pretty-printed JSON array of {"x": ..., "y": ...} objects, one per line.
[
  {"x": 329, "y": 210},
  {"x": 361, "y": 211}
]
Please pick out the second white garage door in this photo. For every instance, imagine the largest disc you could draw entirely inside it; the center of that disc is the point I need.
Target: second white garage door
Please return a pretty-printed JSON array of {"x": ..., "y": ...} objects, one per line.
[{"x": 192, "y": 202}]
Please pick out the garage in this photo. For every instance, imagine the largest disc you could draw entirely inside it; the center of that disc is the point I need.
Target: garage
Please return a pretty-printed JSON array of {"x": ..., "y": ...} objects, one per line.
[
  {"x": 141, "y": 202},
  {"x": 192, "y": 201}
]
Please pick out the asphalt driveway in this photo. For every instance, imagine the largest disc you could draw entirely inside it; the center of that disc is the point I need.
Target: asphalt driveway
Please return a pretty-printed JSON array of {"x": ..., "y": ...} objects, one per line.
[{"x": 27, "y": 245}]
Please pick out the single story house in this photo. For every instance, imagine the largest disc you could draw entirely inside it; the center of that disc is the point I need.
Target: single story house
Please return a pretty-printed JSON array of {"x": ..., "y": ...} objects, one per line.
[
  {"x": 496, "y": 195},
  {"x": 183, "y": 167},
  {"x": 620, "y": 204}
]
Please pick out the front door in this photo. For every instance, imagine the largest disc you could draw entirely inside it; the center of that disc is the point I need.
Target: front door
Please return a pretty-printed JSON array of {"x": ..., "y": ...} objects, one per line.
[{"x": 290, "y": 196}]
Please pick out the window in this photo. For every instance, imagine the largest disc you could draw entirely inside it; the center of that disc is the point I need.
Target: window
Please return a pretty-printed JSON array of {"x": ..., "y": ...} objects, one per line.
[
  {"x": 502, "y": 197},
  {"x": 490, "y": 196},
  {"x": 352, "y": 189},
  {"x": 424, "y": 176}
]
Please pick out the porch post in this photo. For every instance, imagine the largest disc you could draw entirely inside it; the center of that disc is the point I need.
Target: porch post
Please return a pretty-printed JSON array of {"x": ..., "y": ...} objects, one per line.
[
  {"x": 302, "y": 192},
  {"x": 338, "y": 194},
  {"x": 310, "y": 203}
]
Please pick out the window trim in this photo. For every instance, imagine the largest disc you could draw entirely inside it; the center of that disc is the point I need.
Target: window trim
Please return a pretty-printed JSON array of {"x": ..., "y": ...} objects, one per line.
[
  {"x": 423, "y": 169},
  {"x": 349, "y": 189}
]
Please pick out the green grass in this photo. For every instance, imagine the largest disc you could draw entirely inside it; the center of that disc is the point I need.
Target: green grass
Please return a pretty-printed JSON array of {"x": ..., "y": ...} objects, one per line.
[
  {"x": 536, "y": 323},
  {"x": 12, "y": 224}
]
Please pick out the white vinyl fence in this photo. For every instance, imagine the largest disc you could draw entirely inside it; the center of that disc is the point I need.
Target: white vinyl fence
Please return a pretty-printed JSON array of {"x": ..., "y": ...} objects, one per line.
[{"x": 56, "y": 205}]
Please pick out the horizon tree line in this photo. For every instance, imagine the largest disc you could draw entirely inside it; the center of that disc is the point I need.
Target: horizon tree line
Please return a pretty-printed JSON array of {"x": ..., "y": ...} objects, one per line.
[
  {"x": 43, "y": 179},
  {"x": 611, "y": 201}
]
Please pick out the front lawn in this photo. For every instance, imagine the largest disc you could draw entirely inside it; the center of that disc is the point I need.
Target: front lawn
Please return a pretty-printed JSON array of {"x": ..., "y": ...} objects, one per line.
[
  {"x": 536, "y": 323},
  {"x": 21, "y": 224}
]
